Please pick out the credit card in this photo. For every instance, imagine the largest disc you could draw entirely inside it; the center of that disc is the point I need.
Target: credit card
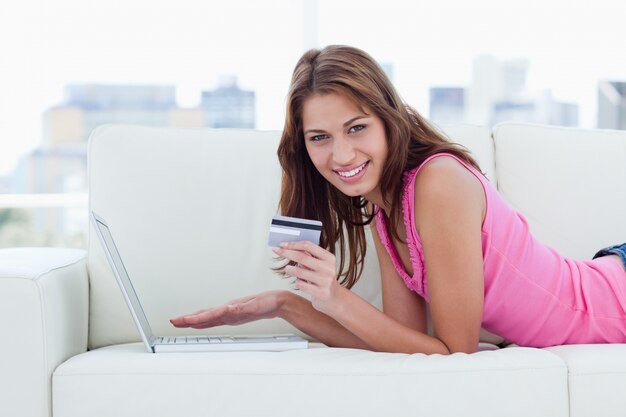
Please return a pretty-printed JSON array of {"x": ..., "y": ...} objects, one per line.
[{"x": 291, "y": 229}]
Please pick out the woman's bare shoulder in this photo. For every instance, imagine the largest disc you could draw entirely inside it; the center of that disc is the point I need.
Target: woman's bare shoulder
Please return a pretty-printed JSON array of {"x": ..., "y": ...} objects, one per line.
[
  {"x": 445, "y": 168},
  {"x": 444, "y": 182}
]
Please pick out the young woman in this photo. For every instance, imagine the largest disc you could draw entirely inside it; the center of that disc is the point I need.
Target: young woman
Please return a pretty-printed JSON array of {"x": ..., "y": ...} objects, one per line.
[{"x": 354, "y": 154}]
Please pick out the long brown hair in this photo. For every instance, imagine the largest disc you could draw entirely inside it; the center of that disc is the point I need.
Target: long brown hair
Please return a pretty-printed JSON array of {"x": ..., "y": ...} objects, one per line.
[{"x": 410, "y": 139}]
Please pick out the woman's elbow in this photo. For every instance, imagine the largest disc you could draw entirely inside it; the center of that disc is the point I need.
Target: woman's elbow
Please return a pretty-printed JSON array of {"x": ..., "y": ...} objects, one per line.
[{"x": 461, "y": 346}]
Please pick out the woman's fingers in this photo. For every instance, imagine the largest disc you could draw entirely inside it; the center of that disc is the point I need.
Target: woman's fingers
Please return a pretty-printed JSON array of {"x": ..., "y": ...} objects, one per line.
[
  {"x": 314, "y": 250},
  {"x": 210, "y": 317},
  {"x": 303, "y": 274},
  {"x": 301, "y": 258},
  {"x": 315, "y": 266},
  {"x": 241, "y": 310},
  {"x": 206, "y": 318},
  {"x": 308, "y": 256},
  {"x": 306, "y": 286}
]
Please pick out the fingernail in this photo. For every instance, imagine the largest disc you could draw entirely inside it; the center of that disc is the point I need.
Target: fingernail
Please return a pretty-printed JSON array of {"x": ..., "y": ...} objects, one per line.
[
  {"x": 275, "y": 250},
  {"x": 283, "y": 244}
]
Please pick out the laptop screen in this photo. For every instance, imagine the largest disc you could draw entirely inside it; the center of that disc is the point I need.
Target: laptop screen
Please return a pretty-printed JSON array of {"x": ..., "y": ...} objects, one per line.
[{"x": 123, "y": 278}]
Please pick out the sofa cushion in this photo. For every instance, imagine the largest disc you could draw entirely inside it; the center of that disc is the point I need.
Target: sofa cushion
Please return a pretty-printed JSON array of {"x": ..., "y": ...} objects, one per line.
[
  {"x": 596, "y": 379},
  {"x": 124, "y": 380},
  {"x": 568, "y": 183}
]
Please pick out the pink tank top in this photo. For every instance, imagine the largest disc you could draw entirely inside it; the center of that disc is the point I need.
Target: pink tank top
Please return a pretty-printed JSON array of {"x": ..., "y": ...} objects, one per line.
[{"x": 533, "y": 296}]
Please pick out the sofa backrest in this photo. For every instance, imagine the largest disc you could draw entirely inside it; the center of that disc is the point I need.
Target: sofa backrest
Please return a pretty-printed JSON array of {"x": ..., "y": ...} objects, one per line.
[
  {"x": 190, "y": 212},
  {"x": 478, "y": 140},
  {"x": 570, "y": 184}
]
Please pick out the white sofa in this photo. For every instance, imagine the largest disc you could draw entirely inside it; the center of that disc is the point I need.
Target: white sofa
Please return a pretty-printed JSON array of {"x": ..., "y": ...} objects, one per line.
[{"x": 190, "y": 211}]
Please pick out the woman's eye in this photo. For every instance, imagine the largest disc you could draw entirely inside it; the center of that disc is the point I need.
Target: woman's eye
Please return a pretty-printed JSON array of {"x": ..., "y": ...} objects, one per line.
[
  {"x": 317, "y": 138},
  {"x": 356, "y": 128}
]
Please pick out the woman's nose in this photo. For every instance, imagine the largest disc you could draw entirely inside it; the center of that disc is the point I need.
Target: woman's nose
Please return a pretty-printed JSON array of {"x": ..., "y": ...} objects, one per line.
[{"x": 343, "y": 151}]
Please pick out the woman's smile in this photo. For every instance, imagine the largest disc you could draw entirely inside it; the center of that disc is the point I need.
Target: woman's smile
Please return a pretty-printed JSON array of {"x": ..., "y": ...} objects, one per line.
[{"x": 354, "y": 174}]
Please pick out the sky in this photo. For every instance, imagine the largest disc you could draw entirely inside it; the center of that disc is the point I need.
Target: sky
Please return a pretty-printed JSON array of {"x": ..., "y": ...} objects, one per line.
[{"x": 571, "y": 44}]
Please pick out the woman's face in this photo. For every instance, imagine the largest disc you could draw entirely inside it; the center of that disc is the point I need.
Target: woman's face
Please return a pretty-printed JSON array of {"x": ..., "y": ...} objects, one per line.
[{"x": 347, "y": 146}]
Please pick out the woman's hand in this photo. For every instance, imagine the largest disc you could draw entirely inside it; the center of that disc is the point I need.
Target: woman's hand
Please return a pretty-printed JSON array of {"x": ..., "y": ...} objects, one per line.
[
  {"x": 315, "y": 274},
  {"x": 242, "y": 310}
]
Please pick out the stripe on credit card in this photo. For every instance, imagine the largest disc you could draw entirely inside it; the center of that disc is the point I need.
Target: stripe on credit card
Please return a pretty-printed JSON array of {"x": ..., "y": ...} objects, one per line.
[
  {"x": 284, "y": 231},
  {"x": 294, "y": 224}
]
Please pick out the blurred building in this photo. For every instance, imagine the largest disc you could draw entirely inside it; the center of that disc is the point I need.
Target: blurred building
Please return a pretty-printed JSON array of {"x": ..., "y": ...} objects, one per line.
[
  {"x": 612, "y": 105},
  {"x": 447, "y": 105},
  {"x": 60, "y": 164},
  {"x": 54, "y": 169},
  {"x": 87, "y": 106},
  {"x": 564, "y": 114},
  {"x": 494, "y": 82},
  {"x": 58, "y": 169},
  {"x": 513, "y": 110},
  {"x": 229, "y": 106},
  {"x": 540, "y": 108},
  {"x": 498, "y": 93}
]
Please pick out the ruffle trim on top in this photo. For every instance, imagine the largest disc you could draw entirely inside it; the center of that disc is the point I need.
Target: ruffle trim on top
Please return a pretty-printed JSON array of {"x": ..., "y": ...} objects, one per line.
[
  {"x": 417, "y": 281},
  {"x": 416, "y": 253}
]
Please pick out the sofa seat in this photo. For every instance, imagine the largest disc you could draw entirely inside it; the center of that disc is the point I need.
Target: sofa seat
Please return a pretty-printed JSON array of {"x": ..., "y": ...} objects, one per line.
[
  {"x": 124, "y": 380},
  {"x": 597, "y": 378}
]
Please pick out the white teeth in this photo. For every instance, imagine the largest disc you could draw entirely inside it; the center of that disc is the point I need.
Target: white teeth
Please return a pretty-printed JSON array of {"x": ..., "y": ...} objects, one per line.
[{"x": 352, "y": 173}]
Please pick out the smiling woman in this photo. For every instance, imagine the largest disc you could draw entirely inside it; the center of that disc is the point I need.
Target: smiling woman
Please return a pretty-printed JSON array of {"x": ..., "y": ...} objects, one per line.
[
  {"x": 354, "y": 154},
  {"x": 346, "y": 121},
  {"x": 344, "y": 107}
]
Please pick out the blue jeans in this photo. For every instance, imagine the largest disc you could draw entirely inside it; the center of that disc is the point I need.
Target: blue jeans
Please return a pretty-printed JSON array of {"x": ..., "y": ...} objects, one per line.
[{"x": 619, "y": 250}]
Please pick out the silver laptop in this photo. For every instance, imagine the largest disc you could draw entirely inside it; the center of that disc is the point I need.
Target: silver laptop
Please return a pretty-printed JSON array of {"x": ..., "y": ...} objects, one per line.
[{"x": 202, "y": 343}]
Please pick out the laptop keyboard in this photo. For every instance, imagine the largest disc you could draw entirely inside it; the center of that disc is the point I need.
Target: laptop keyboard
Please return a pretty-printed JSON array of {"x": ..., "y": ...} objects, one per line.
[
  {"x": 191, "y": 340},
  {"x": 225, "y": 343}
]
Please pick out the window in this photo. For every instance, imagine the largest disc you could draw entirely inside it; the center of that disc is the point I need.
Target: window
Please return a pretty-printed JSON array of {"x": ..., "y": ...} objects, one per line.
[{"x": 70, "y": 65}]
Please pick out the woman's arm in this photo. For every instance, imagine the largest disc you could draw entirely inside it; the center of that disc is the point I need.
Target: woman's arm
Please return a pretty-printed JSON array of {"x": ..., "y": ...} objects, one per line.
[
  {"x": 316, "y": 276},
  {"x": 299, "y": 312},
  {"x": 450, "y": 211},
  {"x": 450, "y": 206},
  {"x": 294, "y": 309}
]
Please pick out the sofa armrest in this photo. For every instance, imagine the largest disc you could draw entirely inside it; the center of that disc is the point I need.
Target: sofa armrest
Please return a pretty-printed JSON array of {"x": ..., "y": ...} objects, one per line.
[{"x": 44, "y": 304}]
